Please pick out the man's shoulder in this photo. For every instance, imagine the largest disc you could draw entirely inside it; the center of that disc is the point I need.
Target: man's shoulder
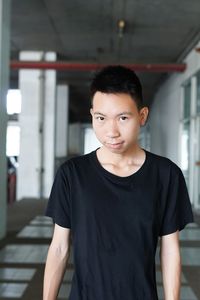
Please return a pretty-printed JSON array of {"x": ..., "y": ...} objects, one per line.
[
  {"x": 164, "y": 163},
  {"x": 79, "y": 161}
]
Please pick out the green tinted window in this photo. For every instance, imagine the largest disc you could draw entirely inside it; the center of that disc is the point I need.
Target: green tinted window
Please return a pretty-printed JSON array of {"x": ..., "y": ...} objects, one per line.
[
  {"x": 187, "y": 100},
  {"x": 198, "y": 93}
]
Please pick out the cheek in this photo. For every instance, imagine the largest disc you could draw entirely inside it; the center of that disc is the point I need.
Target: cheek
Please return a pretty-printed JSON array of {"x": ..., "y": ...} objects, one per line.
[
  {"x": 130, "y": 131},
  {"x": 98, "y": 129},
  {"x": 130, "y": 127}
]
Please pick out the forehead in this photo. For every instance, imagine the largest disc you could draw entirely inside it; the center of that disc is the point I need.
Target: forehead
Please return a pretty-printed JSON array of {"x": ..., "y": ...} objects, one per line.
[{"x": 109, "y": 101}]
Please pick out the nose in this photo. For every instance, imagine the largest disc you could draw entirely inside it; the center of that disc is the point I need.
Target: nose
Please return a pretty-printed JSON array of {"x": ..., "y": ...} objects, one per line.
[{"x": 112, "y": 129}]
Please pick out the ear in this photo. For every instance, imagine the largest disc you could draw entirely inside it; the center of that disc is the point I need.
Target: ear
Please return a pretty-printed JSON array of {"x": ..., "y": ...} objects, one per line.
[
  {"x": 91, "y": 111},
  {"x": 143, "y": 115}
]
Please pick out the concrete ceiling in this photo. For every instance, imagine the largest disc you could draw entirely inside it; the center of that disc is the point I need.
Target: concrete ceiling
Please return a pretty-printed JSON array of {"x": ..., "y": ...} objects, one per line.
[{"x": 87, "y": 31}]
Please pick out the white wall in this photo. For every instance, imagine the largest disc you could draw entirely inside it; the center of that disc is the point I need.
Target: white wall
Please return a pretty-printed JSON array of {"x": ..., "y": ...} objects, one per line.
[
  {"x": 62, "y": 121},
  {"x": 29, "y": 162},
  {"x": 90, "y": 140},
  {"x": 49, "y": 126},
  {"x": 165, "y": 114},
  {"x": 36, "y": 87}
]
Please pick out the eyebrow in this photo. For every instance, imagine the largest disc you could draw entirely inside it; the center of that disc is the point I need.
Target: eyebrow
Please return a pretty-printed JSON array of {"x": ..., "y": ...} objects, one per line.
[{"x": 123, "y": 113}]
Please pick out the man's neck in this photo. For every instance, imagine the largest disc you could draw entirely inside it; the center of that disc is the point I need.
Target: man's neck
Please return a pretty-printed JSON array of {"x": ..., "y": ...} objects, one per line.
[{"x": 134, "y": 155}]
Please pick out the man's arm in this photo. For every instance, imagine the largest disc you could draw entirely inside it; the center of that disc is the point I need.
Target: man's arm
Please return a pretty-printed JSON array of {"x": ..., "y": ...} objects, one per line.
[
  {"x": 56, "y": 263},
  {"x": 170, "y": 259}
]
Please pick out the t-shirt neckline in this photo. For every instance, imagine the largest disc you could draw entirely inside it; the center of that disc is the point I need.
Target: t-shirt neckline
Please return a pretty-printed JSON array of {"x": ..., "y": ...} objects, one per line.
[{"x": 115, "y": 177}]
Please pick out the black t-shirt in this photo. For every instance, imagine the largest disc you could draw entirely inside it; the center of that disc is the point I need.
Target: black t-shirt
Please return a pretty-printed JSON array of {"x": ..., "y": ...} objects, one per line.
[{"x": 116, "y": 222}]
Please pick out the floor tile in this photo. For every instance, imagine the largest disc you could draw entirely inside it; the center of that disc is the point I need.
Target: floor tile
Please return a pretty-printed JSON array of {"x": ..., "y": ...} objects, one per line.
[
  {"x": 190, "y": 235},
  {"x": 41, "y": 220},
  {"x": 64, "y": 290},
  {"x": 68, "y": 275},
  {"x": 16, "y": 274},
  {"x": 36, "y": 232},
  {"x": 24, "y": 254},
  {"x": 190, "y": 256},
  {"x": 12, "y": 290},
  {"x": 192, "y": 225}
]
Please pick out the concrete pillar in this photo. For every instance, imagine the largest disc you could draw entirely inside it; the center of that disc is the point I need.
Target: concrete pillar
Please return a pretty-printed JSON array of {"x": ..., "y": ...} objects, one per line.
[
  {"x": 62, "y": 121},
  {"x": 4, "y": 77},
  {"x": 49, "y": 127},
  {"x": 37, "y": 124}
]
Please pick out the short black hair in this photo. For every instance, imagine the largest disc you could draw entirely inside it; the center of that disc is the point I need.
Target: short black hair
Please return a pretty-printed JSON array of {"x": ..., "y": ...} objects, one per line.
[{"x": 117, "y": 79}]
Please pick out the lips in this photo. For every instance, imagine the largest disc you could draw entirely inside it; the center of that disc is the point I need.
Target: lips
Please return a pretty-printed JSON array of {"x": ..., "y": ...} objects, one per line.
[{"x": 114, "y": 145}]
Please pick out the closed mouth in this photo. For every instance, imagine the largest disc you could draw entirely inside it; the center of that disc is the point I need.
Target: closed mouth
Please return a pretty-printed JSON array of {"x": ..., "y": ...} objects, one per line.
[{"x": 115, "y": 144}]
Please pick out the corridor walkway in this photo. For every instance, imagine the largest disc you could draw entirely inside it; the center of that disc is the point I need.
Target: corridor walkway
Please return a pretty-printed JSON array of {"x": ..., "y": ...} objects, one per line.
[{"x": 23, "y": 254}]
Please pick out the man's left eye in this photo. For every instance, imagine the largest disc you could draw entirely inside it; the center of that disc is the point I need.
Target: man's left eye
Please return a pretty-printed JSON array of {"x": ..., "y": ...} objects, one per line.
[{"x": 123, "y": 118}]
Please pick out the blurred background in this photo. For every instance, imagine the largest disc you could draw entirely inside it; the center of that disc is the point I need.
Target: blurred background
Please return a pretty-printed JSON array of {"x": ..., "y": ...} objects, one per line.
[{"x": 49, "y": 52}]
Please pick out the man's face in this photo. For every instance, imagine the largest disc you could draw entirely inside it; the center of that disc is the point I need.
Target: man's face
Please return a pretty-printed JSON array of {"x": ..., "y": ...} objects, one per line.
[{"x": 116, "y": 121}]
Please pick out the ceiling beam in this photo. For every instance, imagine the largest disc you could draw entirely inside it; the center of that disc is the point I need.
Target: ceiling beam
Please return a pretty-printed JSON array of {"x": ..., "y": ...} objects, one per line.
[{"x": 77, "y": 66}]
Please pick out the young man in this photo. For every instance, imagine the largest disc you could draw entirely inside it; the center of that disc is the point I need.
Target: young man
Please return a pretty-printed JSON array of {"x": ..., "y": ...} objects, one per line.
[{"x": 116, "y": 202}]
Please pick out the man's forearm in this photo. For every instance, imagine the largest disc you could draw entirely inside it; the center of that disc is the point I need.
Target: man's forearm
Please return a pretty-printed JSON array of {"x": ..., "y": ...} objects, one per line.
[
  {"x": 54, "y": 271},
  {"x": 171, "y": 274}
]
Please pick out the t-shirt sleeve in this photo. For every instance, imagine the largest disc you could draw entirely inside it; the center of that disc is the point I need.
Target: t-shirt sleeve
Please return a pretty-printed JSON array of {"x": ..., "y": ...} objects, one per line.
[
  {"x": 178, "y": 210},
  {"x": 59, "y": 206}
]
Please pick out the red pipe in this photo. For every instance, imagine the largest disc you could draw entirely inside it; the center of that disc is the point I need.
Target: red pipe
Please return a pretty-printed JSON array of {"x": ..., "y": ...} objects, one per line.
[{"x": 66, "y": 66}]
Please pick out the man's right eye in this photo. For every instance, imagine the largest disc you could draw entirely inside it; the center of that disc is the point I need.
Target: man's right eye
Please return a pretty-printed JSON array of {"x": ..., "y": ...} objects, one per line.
[{"x": 99, "y": 118}]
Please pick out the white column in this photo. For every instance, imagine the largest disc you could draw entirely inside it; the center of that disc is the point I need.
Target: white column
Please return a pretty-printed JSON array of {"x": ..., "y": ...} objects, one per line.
[
  {"x": 37, "y": 123},
  {"x": 49, "y": 127},
  {"x": 62, "y": 120},
  {"x": 4, "y": 75}
]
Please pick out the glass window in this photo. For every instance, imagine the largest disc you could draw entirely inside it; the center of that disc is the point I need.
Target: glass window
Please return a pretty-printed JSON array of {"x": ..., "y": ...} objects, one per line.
[
  {"x": 13, "y": 102},
  {"x": 185, "y": 142},
  {"x": 198, "y": 161},
  {"x": 198, "y": 93},
  {"x": 187, "y": 100},
  {"x": 13, "y": 140}
]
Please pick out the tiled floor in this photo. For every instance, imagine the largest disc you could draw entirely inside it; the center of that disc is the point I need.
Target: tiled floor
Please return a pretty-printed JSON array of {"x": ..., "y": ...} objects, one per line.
[{"x": 22, "y": 263}]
